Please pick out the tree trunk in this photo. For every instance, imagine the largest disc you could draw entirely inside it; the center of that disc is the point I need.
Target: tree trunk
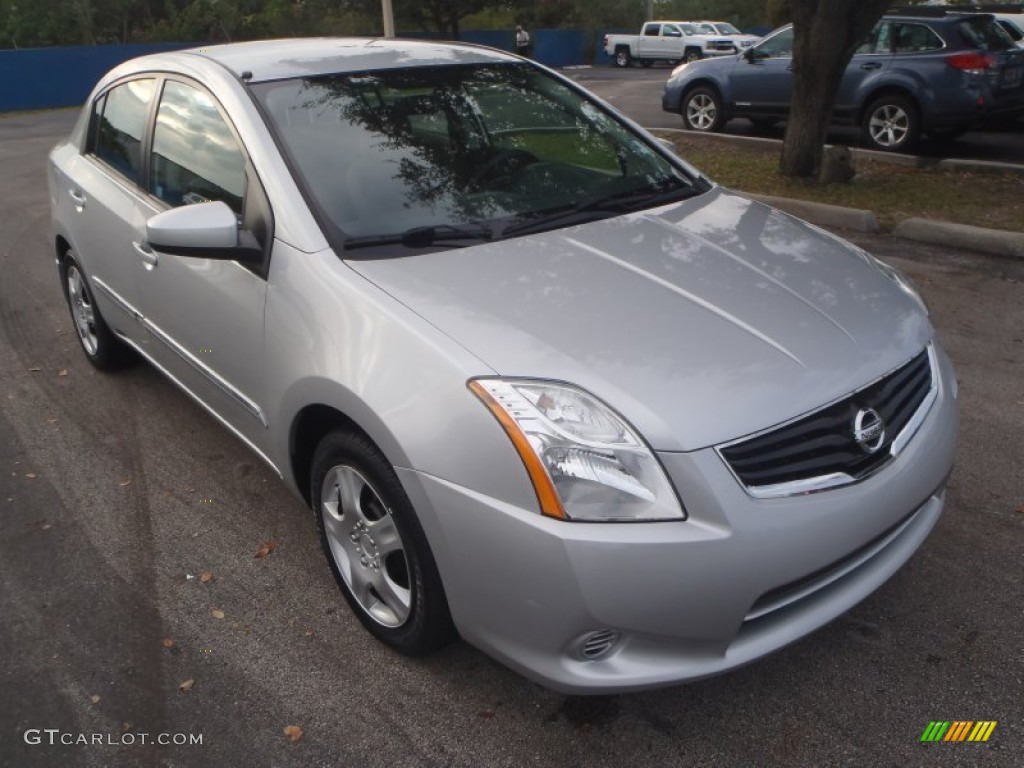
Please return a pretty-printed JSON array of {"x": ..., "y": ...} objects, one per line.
[{"x": 826, "y": 33}]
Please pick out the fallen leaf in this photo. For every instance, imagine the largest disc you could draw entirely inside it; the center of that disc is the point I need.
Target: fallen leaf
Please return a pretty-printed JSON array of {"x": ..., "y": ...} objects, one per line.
[
  {"x": 124, "y": 483},
  {"x": 63, "y": 372},
  {"x": 45, "y": 527},
  {"x": 309, "y": 633},
  {"x": 30, "y": 475},
  {"x": 190, "y": 490},
  {"x": 94, "y": 699},
  {"x": 1021, "y": 509},
  {"x": 187, "y": 685},
  {"x": 35, "y": 370},
  {"x": 266, "y": 549},
  {"x": 125, "y": 727},
  {"x": 168, "y": 643},
  {"x": 217, "y": 613},
  {"x": 293, "y": 732},
  {"x": 206, "y": 578}
]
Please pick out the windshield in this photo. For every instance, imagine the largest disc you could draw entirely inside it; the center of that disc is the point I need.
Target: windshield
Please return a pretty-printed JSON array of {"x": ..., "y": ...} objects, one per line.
[{"x": 460, "y": 151}]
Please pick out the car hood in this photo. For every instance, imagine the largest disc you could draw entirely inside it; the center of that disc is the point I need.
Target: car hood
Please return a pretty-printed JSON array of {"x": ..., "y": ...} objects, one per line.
[{"x": 700, "y": 322}]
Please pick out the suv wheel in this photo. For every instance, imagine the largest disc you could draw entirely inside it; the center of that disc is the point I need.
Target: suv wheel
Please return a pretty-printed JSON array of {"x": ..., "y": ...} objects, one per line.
[
  {"x": 891, "y": 124},
  {"x": 702, "y": 110},
  {"x": 102, "y": 348},
  {"x": 376, "y": 548}
]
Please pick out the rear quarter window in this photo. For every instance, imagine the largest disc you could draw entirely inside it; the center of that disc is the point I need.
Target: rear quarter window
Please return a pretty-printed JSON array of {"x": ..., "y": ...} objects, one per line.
[{"x": 984, "y": 34}]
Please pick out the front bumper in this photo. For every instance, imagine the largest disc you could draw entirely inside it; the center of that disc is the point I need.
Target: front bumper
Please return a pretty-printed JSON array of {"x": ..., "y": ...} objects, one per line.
[{"x": 740, "y": 578}]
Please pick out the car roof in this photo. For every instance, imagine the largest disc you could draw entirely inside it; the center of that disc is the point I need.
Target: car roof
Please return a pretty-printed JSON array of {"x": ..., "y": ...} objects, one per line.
[{"x": 264, "y": 60}]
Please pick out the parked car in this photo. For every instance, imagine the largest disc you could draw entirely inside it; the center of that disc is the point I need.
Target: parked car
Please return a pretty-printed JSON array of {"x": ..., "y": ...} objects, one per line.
[
  {"x": 725, "y": 29},
  {"x": 1013, "y": 25},
  {"x": 538, "y": 379},
  {"x": 671, "y": 41},
  {"x": 933, "y": 72}
]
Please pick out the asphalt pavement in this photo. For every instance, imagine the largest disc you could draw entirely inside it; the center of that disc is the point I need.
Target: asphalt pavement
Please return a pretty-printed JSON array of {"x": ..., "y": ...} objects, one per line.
[{"x": 118, "y": 494}]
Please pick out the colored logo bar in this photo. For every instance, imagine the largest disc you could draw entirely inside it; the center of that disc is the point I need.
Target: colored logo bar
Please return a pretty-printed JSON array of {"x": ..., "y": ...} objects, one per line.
[{"x": 958, "y": 730}]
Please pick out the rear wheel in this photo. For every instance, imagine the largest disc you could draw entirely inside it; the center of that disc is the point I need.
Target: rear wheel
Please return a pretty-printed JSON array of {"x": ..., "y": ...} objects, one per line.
[
  {"x": 375, "y": 546},
  {"x": 102, "y": 348},
  {"x": 702, "y": 110},
  {"x": 622, "y": 57},
  {"x": 891, "y": 124}
]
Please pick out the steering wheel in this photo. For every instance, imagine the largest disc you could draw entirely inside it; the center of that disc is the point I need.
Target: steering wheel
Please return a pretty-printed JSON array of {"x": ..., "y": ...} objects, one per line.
[{"x": 508, "y": 161}]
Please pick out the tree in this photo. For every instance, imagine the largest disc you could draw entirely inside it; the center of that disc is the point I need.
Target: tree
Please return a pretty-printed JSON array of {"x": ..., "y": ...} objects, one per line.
[{"x": 825, "y": 35}]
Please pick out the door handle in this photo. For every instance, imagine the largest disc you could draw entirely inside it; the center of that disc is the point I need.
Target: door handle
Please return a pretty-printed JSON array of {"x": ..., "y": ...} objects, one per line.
[
  {"x": 78, "y": 198},
  {"x": 149, "y": 256},
  {"x": 871, "y": 65}
]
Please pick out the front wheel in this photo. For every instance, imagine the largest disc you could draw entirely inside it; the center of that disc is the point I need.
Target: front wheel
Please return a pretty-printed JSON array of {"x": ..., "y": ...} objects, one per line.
[
  {"x": 622, "y": 57},
  {"x": 692, "y": 54},
  {"x": 702, "y": 110},
  {"x": 891, "y": 124},
  {"x": 375, "y": 546}
]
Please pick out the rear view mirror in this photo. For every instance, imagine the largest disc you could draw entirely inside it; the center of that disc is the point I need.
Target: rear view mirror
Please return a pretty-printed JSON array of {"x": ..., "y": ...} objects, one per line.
[{"x": 203, "y": 230}]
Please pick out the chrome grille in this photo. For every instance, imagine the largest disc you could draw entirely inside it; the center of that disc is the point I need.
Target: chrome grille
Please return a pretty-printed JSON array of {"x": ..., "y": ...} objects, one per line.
[{"x": 820, "y": 450}]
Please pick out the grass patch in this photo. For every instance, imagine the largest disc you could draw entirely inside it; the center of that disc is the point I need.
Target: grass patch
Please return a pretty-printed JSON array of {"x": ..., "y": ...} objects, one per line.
[{"x": 893, "y": 192}]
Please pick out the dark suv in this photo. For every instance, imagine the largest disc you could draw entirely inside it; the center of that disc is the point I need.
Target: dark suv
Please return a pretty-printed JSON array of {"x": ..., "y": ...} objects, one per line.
[{"x": 933, "y": 72}]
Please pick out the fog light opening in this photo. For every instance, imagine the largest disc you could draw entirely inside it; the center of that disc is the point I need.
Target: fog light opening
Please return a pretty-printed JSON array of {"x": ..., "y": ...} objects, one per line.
[{"x": 597, "y": 645}]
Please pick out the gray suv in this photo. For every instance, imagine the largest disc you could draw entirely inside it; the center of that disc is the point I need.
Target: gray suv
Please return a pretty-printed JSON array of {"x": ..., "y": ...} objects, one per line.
[{"x": 933, "y": 72}]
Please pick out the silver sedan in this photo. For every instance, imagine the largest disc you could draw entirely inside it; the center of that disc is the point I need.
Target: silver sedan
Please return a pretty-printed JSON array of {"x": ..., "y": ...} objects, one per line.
[{"x": 541, "y": 382}]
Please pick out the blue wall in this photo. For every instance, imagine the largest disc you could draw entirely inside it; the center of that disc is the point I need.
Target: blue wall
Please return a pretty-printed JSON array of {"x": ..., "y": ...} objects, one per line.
[{"x": 38, "y": 78}]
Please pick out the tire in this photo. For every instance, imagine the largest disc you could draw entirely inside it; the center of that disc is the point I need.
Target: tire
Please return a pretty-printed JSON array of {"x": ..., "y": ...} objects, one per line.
[
  {"x": 646, "y": 63},
  {"x": 622, "y": 57},
  {"x": 692, "y": 54},
  {"x": 375, "y": 546},
  {"x": 102, "y": 348},
  {"x": 891, "y": 124},
  {"x": 702, "y": 110}
]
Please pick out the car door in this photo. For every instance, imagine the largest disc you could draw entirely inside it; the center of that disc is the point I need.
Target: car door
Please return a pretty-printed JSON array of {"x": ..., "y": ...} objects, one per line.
[
  {"x": 762, "y": 80},
  {"x": 205, "y": 316},
  {"x": 870, "y": 61},
  {"x": 670, "y": 45},
  {"x": 647, "y": 44},
  {"x": 98, "y": 193}
]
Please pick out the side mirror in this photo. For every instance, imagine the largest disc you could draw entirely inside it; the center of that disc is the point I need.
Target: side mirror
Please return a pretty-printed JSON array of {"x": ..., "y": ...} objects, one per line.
[
  {"x": 202, "y": 230},
  {"x": 749, "y": 55}
]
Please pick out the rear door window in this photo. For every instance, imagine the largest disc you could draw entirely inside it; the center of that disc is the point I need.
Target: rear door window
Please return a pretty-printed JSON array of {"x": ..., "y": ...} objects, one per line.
[
  {"x": 121, "y": 127},
  {"x": 916, "y": 38}
]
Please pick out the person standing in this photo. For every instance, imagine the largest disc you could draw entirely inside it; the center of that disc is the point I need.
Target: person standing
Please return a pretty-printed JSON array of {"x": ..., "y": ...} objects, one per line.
[{"x": 522, "y": 41}]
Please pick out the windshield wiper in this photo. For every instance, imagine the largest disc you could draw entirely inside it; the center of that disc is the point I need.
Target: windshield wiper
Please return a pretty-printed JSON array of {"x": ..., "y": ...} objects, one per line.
[
  {"x": 617, "y": 202},
  {"x": 422, "y": 237}
]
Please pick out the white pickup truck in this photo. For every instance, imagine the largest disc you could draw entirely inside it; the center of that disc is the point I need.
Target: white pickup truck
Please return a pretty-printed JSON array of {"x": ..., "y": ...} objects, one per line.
[{"x": 666, "y": 40}]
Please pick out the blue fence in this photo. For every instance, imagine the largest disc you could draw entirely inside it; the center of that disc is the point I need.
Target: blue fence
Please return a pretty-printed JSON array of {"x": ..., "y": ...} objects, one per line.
[
  {"x": 37, "y": 78},
  {"x": 40, "y": 78}
]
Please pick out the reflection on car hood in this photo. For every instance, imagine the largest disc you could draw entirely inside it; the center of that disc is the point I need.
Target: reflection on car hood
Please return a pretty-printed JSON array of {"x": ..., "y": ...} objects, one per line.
[{"x": 701, "y": 321}]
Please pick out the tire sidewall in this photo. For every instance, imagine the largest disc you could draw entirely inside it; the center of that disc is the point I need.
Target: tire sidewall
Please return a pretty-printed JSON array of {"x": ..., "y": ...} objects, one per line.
[
  {"x": 110, "y": 352},
  {"x": 694, "y": 93}
]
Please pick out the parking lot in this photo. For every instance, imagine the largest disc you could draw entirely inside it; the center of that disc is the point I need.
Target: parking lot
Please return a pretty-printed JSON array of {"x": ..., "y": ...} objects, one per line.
[{"x": 119, "y": 493}]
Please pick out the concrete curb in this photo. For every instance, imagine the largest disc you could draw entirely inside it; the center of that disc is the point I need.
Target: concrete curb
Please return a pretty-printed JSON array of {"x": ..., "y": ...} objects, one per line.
[
  {"x": 823, "y": 214},
  {"x": 994, "y": 241}
]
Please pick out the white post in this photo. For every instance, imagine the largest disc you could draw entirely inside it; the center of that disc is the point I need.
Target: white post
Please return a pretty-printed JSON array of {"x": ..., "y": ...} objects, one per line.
[{"x": 389, "y": 18}]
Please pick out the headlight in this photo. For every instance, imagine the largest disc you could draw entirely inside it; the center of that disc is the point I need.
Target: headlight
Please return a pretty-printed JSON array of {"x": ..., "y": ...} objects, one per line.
[
  {"x": 902, "y": 281},
  {"x": 585, "y": 462}
]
